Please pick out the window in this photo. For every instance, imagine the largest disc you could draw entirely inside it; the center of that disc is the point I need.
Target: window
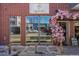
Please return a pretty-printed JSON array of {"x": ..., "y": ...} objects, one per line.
[
  {"x": 38, "y": 29},
  {"x": 15, "y": 23}
]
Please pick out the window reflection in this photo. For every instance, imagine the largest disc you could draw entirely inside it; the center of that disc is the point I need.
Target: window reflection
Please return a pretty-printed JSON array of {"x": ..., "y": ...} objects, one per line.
[
  {"x": 15, "y": 23},
  {"x": 32, "y": 24},
  {"x": 38, "y": 26}
]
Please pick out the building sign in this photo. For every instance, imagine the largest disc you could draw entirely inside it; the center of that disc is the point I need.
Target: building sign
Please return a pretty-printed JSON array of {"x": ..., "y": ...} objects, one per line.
[{"x": 39, "y": 8}]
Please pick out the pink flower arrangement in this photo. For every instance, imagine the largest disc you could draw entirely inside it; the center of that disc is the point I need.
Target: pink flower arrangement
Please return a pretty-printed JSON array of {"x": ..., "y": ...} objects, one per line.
[
  {"x": 67, "y": 15},
  {"x": 57, "y": 30}
]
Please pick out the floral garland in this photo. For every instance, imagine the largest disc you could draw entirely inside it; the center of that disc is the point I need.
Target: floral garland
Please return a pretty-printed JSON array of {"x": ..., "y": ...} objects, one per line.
[
  {"x": 57, "y": 30},
  {"x": 67, "y": 15}
]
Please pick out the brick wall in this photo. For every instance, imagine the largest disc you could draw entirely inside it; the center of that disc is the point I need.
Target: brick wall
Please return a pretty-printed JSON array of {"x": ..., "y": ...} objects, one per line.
[
  {"x": 14, "y": 9},
  {"x": 8, "y": 10}
]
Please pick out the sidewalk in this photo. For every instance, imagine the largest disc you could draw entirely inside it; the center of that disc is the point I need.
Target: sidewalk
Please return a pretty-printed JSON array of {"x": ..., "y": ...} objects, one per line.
[{"x": 42, "y": 50}]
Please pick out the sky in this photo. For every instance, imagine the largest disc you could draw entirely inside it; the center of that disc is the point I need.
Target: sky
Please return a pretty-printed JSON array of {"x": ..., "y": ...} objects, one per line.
[{"x": 35, "y": 19}]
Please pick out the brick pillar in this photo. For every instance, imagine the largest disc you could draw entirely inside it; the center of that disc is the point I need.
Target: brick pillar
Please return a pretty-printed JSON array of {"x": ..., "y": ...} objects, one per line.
[{"x": 23, "y": 30}]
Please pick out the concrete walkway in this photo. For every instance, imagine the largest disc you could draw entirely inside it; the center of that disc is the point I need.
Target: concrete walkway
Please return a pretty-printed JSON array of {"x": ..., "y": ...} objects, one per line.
[{"x": 42, "y": 50}]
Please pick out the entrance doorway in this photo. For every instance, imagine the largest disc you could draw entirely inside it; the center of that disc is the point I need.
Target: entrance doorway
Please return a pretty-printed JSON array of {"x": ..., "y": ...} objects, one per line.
[
  {"x": 65, "y": 25},
  {"x": 77, "y": 30}
]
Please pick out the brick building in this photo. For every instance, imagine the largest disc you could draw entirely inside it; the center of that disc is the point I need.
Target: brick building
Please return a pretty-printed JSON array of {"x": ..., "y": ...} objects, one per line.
[{"x": 14, "y": 9}]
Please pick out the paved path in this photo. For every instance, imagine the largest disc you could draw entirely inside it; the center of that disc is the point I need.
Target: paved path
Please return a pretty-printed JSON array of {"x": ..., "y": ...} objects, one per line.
[
  {"x": 48, "y": 51},
  {"x": 41, "y": 51}
]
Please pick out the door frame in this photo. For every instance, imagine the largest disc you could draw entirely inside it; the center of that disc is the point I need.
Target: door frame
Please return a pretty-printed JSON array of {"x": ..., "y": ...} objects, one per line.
[{"x": 67, "y": 31}]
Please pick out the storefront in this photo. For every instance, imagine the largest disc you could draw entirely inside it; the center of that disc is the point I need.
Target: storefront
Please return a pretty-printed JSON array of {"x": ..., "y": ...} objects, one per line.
[
  {"x": 31, "y": 26},
  {"x": 37, "y": 30}
]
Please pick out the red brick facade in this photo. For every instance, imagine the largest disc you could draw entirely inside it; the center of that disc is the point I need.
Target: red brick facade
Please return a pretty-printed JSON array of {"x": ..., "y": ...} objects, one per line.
[
  {"x": 13, "y": 9},
  {"x": 7, "y": 10}
]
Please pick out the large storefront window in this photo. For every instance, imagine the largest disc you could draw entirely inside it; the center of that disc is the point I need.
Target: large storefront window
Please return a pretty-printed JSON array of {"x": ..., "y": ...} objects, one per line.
[
  {"x": 37, "y": 28},
  {"x": 15, "y": 23}
]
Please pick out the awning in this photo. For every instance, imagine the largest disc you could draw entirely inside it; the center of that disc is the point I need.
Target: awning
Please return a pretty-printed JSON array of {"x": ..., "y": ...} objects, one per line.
[{"x": 76, "y": 7}]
